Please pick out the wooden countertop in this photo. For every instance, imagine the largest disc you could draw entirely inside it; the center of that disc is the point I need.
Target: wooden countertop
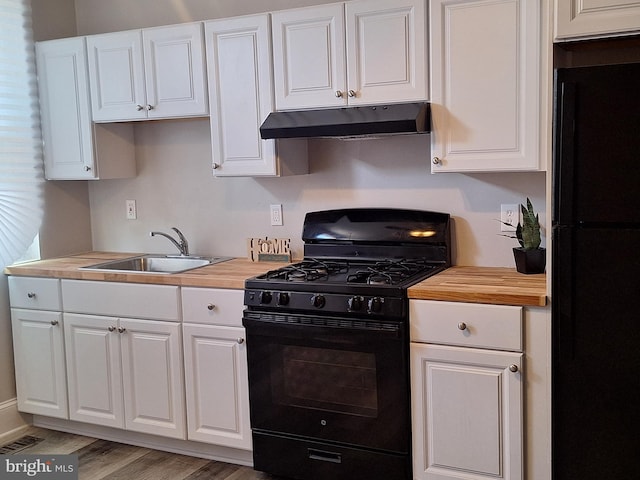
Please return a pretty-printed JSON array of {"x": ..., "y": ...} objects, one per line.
[
  {"x": 229, "y": 274},
  {"x": 503, "y": 286},
  {"x": 496, "y": 285}
]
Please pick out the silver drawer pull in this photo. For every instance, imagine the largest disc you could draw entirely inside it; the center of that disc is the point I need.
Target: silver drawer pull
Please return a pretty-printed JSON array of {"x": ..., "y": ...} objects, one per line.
[
  {"x": 54, "y": 322},
  {"x": 462, "y": 326},
  {"x": 31, "y": 295},
  {"x": 241, "y": 341},
  {"x": 211, "y": 306},
  {"x": 513, "y": 368}
]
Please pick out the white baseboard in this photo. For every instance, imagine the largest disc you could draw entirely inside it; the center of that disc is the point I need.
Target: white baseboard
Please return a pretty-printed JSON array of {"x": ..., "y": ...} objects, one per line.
[{"x": 12, "y": 422}]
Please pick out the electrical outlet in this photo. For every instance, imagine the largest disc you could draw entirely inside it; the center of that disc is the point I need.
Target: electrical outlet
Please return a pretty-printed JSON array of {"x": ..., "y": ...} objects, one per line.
[
  {"x": 509, "y": 214},
  {"x": 132, "y": 214},
  {"x": 276, "y": 215}
]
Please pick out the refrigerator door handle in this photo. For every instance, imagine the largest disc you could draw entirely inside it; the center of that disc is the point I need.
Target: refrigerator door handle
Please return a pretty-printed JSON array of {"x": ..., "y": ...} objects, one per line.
[
  {"x": 564, "y": 152},
  {"x": 562, "y": 295}
]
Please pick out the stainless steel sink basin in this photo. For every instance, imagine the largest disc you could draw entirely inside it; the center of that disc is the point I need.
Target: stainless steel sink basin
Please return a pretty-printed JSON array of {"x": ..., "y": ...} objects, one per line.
[{"x": 156, "y": 264}]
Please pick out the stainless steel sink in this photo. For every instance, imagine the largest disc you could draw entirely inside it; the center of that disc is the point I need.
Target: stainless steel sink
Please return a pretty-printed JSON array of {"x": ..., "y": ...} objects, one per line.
[{"x": 156, "y": 264}]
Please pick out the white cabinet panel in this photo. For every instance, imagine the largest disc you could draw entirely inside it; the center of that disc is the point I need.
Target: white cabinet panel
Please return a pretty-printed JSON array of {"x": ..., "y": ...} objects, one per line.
[
  {"x": 217, "y": 385},
  {"x": 74, "y": 149},
  {"x": 575, "y": 19},
  {"x": 485, "y": 85},
  {"x": 213, "y": 306},
  {"x": 151, "y": 73},
  {"x": 35, "y": 293},
  {"x": 241, "y": 97},
  {"x": 38, "y": 349},
  {"x": 356, "y": 53}
]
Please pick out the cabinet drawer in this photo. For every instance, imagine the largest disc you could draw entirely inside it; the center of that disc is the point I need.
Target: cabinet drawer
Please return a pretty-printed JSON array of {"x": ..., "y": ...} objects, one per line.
[
  {"x": 212, "y": 306},
  {"x": 35, "y": 293},
  {"x": 466, "y": 324},
  {"x": 159, "y": 302}
]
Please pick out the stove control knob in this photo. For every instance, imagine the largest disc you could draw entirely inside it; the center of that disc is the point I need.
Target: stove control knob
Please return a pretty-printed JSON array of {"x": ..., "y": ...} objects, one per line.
[
  {"x": 375, "y": 304},
  {"x": 283, "y": 298},
  {"x": 355, "y": 303},
  {"x": 318, "y": 301},
  {"x": 265, "y": 297}
]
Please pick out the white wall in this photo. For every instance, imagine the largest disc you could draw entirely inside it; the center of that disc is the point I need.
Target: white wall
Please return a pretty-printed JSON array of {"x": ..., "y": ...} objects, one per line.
[{"x": 175, "y": 187}]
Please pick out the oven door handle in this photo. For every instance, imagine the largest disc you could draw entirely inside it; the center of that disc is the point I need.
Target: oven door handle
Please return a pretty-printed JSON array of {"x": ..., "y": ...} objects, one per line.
[{"x": 324, "y": 456}]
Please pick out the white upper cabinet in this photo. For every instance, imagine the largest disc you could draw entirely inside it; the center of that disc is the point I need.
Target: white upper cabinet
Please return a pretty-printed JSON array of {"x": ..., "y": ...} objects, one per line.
[
  {"x": 241, "y": 97},
  {"x": 74, "y": 149},
  {"x": 596, "y": 18},
  {"x": 485, "y": 81},
  {"x": 148, "y": 74},
  {"x": 361, "y": 52}
]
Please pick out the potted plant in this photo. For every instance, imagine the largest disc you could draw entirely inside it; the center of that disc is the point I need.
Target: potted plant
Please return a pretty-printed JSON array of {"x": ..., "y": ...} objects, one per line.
[{"x": 529, "y": 256}]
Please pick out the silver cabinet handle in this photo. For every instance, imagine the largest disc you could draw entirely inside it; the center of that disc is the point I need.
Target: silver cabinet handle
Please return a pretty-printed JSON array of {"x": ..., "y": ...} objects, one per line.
[
  {"x": 31, "y": 295},
  {"x": 513, "y": 368},
  {"x": 139, "y": 107},
  {"x": 54, "y": 322},
  {"x": 462, "y": 326},
  {"x": 241, "y": 341},
  {"x": 435, "y": 161},
  {"x": 122, "y": 329},
  {"x": 149, "y": 107},
  {"x": 112, "y": 328},
  {"x": 87, "y": 168},
  {"x": 216, "y": 166},
  {"x": 352, "y": 93},
  {"x": 338, "y": 94},
  {"x": 211, "y": 306}
]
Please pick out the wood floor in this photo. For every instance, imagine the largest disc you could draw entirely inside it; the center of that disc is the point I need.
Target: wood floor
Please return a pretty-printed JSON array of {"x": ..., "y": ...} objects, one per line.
[{"x": 102, "y": 459}]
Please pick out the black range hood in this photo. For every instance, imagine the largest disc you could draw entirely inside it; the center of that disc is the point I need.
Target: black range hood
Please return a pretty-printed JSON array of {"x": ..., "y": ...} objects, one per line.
[{"x": 375, "y": 120}]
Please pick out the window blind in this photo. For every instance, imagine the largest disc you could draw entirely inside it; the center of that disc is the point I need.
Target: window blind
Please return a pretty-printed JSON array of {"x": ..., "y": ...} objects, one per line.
[{"x": 21, "y": 175}]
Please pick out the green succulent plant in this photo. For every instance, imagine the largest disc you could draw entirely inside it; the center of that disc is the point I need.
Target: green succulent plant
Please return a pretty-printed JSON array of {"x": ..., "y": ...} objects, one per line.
[{"x": 528, "y": 231}]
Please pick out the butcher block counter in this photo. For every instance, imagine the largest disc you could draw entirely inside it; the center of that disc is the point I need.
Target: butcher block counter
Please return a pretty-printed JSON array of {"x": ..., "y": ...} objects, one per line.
[
  {"x": 229, "y": 274},
  {"x": 495, "y": 285},
  {"x": 502, "y": 286}
]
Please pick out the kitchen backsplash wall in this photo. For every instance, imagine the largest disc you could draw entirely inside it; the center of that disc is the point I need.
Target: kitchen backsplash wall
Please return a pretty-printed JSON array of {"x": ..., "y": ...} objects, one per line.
[{"x": 175, "y": 187}]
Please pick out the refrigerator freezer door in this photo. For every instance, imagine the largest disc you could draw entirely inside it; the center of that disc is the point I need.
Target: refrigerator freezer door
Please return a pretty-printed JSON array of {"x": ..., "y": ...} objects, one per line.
[
  {"x": 596, "y": 353},
  {"x": 597, "y": 145}
]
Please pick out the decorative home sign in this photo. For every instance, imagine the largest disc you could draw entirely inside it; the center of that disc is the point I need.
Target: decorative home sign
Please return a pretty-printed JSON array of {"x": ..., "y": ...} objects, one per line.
[{"x": 269, "y": 250}]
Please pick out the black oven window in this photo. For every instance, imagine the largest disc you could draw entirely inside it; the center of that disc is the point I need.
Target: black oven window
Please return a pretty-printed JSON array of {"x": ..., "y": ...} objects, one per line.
[{"x": 325, "y": 379}]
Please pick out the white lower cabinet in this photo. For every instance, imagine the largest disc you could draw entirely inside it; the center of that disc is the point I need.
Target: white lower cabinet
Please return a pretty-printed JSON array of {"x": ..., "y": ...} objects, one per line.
[
  {"x": 122, "y": 371},
  {"x": 215, "y": 357},
  {"x": 125, "y": 373},
  {"x": 466, "y": 391},
  {"x": 38, "y": 346}
]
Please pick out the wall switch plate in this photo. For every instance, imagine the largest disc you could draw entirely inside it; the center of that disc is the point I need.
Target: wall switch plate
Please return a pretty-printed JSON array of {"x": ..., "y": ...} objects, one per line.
[
  {"x": 132, "y": 214},
  {"x": 276, "y": 215},
  {"x": 509, "y": 214}
]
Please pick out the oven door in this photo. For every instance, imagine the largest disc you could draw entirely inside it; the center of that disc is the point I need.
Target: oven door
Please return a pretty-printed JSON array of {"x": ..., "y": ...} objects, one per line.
[{"x": 333, "y": 379}]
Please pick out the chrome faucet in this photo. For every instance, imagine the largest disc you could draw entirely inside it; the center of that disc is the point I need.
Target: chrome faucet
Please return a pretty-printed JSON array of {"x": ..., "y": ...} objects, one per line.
[{"x": 182, "y": 246}]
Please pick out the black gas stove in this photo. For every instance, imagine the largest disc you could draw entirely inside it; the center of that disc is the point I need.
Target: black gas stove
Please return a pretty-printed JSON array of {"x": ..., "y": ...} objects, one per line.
[
  {"x": 357, "y": 261},
  {"x": 328, "y": 345}
]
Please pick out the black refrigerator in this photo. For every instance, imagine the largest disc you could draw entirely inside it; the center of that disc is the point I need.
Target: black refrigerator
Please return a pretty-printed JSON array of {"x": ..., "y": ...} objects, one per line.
[{"x": 596, "y": 274}]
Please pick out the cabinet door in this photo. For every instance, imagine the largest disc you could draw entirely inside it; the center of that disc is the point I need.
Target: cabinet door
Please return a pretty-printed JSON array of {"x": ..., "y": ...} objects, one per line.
[
  {"x": 217, "y": 385},
  {"x": 63, "y": 84},
  {"x": 93, "y": 369},
  {"x": 467, "y": 413},
  {"x": 38, "y": 349},
  {"x": 485, "y": 85},
  {"x": 309, "y": 57},
  {"x": 240, "y": 94},
  {"x": 116, "y": 76},
  {"x": 386, "y": 51},
  {"x": 152, "y": 377},
  {"x": 175, "y": 75},
  {"x": 595, "y": 18}
]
